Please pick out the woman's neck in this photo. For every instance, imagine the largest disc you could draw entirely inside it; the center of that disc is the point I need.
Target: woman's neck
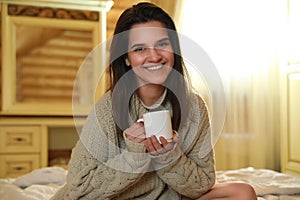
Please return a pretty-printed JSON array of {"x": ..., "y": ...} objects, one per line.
[{"x": 150, "y": 93}]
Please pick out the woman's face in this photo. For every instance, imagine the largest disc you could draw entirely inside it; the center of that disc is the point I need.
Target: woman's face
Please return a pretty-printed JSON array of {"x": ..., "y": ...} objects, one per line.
[{"x": 150, "y": 52}]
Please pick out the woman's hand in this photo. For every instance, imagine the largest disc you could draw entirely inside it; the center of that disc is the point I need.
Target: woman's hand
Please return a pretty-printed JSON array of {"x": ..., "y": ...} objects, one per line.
[
  {"x": 154, "y": 147},
  {"x": 136, "y": 132}
]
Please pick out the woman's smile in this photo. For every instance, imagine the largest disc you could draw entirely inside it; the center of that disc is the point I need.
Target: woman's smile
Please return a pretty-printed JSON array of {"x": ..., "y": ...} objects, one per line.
[{"x": 153, "y": 68}]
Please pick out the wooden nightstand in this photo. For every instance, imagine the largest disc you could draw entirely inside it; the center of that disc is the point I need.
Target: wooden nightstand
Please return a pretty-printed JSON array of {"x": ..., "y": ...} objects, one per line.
[{"x": 21, "y": 149}]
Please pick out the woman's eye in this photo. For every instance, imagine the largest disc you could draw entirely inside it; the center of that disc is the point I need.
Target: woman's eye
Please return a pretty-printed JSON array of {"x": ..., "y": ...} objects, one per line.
[
  {"x": 137, "y": 49},
  {"x": 163, "y": 44}
]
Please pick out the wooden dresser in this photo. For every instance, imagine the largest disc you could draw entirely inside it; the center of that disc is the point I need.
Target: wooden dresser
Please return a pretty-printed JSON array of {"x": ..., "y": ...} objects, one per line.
[
  {"x": 43, "y": 45},
  {"x": 21, "y": 149},
  {"x": 27, "y": 143}
]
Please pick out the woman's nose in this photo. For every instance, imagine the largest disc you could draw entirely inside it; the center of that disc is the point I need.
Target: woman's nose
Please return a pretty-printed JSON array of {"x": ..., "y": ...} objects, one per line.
[{"x": 153, "y": 54}]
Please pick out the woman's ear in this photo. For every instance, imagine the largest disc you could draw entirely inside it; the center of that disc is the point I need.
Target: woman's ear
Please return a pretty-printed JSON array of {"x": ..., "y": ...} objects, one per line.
[{"x": 127, "y": 62}]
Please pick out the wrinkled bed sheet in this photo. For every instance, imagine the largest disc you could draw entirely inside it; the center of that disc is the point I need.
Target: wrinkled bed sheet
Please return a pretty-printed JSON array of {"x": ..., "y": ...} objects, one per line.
[
  {"x": 42, "y": 184},
  {"x": 268, "y": 184}
]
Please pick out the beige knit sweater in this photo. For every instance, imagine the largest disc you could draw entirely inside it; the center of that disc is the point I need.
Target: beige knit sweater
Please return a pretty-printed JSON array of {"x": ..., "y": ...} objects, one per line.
[{"x": 105, "y": 165}]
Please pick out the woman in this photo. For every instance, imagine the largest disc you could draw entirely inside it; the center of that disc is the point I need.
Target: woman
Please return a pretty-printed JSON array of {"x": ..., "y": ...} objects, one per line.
[{"x": 114, "y": 159}]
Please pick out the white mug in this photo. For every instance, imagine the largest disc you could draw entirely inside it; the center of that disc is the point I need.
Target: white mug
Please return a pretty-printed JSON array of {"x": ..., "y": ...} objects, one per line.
[{"x": 158, "y": 123}]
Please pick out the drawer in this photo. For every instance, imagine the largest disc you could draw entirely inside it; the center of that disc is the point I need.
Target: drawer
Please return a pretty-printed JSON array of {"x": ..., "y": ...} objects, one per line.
[
  {"x": 16, "y": 165},
  {"x": 24, "y": 139}
]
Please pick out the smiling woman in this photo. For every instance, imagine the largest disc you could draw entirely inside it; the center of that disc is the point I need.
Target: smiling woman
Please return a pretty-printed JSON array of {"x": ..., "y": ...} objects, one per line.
[{"x": 114, "y": 159}]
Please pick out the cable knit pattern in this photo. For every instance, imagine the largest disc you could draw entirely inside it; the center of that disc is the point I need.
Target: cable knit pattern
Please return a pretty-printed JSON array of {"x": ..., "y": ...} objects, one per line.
[{"x": 105, "y": 165}]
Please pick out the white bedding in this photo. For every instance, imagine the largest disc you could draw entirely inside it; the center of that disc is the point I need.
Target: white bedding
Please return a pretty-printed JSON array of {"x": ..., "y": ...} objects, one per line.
[
  {"x": 268, "y": 184},
  {"x": 41, "y": 184}
]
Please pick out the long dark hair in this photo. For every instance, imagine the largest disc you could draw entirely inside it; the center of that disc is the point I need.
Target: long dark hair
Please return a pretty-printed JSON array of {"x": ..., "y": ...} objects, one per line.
[{"x": 137, "y": 14}]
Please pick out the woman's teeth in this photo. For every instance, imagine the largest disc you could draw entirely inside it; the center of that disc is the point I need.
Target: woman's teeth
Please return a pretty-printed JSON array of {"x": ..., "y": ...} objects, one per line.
[{"x": 154, "y": 67}]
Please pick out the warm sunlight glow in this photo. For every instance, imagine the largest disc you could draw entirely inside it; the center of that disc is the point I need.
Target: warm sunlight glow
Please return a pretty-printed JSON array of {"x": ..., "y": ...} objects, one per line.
[
  {"x": 238, "y": 35},
  {"x": 247, "y": 41},
  {"x": 294, "y": 31}
]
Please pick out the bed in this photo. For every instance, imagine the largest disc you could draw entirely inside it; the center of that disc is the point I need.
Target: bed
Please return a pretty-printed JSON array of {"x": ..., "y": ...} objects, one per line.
[{"x": 42, "y": 183}]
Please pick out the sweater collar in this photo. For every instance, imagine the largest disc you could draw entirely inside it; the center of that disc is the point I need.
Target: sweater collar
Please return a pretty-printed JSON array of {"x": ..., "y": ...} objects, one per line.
[{"x": 156, "y": 104}]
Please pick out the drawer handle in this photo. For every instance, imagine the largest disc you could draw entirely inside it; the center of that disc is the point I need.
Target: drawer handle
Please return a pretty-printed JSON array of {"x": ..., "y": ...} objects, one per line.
[
  {"x": 19, "y": 168},
  {"x": 19, "y": 139}
]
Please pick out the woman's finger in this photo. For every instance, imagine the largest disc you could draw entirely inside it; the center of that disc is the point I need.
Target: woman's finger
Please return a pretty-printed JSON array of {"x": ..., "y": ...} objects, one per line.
[
  {"x": 163, "y": 141},
  {"x": 151, "y": 148},
  {"x": 135, "y": 126},
  {"x": 149, "y": 145},
  {"x": 166, "y": 145},
  {"x": 136, "y": 132},
  {"x": 156, "y": 144}
]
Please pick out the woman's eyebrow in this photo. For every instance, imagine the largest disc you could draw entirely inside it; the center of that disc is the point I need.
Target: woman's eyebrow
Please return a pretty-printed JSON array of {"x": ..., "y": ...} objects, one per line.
[
  {"x": 142, "y": 44},
  {"x": 163, "y": 39},
  {"x": 137, "y": 45}
]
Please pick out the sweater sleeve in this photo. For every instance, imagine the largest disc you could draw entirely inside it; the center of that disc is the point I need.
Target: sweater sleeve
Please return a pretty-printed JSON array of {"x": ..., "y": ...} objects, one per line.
[
  {"x": 190, "y": 174},
  {"x": 94, "y": 172},
  {"x": 88, "y": 178}
]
